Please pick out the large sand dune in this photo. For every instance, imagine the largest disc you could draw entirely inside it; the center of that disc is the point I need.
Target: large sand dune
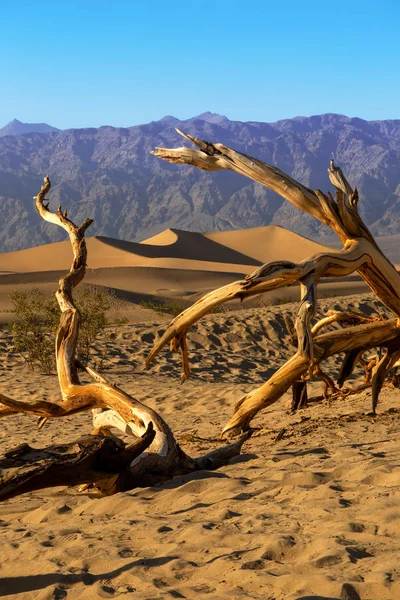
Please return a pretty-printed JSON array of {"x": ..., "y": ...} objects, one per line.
[
  {"x": 221, "y": 251},
  {"x": 267, "y": 244},
  {"x": 173, "y": 264}
]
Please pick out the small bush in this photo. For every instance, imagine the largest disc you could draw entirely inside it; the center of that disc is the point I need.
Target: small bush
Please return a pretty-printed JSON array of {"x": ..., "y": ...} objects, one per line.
[
  {"x": 34, "y": 332},
  {"x": 38, "y": 317},
  {"x": 173, "y": 307},
  {"x": 282, "y": 300},
  {"x": 93, "y": 304}
]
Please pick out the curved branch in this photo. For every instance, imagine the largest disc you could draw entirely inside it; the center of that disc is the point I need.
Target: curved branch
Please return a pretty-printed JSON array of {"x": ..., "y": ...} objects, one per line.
[
  {"x": 333, "y": 316},
  {"x": 67, "y": 334},
  {"x": 155, "y": 450},
  {"x": 346, "y": 201},
  {"x": 361, "y": 337},
  {"x": 342, "y": 216},
  {"x": 78, "y": 243},
  {"x": 214, "y": 157},
  {"x": 360, "y": 250},
  {"x": 380, "y": 370},
  {"x": 268, "y": 277},
  {"x": 162, "y": 454},
  {"x": 328, "y": 381},
  {"x": 347, "y": 367}
]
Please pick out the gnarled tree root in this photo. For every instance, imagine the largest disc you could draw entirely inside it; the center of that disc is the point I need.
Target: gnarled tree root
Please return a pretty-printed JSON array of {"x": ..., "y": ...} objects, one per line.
[
  {"x": 95, "y": 460},
  {"x": 87, "y": 460}
]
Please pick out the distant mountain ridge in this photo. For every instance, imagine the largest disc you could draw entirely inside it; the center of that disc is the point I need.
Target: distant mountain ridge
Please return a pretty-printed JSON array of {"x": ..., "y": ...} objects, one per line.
[
  {"x": 16, "y": 127},
  {"x": 108, "y": 174}
]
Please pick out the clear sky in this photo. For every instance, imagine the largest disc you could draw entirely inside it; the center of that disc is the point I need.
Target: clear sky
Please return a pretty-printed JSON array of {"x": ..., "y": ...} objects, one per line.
[{"x": 89, "y": 63}]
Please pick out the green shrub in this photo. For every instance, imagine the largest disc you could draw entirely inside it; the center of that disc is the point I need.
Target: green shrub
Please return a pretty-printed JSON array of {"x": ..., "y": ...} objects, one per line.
[
  {"x": 93, "y": 304},
  {"x": 38, "y": 317},
  {"x": 173, "y": 307},
  {"x": 282, "y": 300}
]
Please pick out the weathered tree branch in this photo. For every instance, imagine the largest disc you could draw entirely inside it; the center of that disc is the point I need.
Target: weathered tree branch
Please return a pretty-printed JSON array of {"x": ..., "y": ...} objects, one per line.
[
  {"x": 155, "y": 451},
  {"x": 359, "y": 253},
  {"x": 341, "y": 216},
  {"x": 359, "y": 338},
  {"x": 268, "y": 277},
  {"x": 162, "y": 453},
  {"x": 349, "y": 317},
  {"x": 87, "y": 460}
]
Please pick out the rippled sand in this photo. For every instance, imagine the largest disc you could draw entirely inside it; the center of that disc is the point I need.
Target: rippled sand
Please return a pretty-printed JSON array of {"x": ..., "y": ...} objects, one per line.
[{"x": 291, "y": 519}]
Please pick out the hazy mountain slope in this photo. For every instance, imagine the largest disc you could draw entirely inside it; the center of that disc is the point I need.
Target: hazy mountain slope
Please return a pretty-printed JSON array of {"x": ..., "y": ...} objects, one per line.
[
  {"x": 110, "y": 175},
  {"x": 15, "y": 127}
]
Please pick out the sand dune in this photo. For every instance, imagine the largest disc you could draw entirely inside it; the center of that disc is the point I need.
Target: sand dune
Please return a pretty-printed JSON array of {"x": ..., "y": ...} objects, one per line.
[
  {"x": 221, "y": 251},
  {"x": 133, "y": 285},
  {"x": 190, "y": 250},
  {"x": 165, "y": 238},
  {"x": 173, "y": 264},
  {"x": 267, "y": 244}
]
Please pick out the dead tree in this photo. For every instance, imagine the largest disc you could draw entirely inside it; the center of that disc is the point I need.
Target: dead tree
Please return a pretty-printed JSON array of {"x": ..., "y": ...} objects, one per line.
[
  {"x": 91, "y": 459},
  {"x": 154, "y": 453},
  {"x": 359, "y": 253}
]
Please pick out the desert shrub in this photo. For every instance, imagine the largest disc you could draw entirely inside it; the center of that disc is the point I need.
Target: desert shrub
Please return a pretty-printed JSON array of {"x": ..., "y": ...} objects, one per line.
[
  {"x": 34, "y": 332},
  {"x": 161, "y": 305},
  {"x": 38, "y": 317},
  {"x": 93, "y": 304},
  {"x": 175, "y": 307}
]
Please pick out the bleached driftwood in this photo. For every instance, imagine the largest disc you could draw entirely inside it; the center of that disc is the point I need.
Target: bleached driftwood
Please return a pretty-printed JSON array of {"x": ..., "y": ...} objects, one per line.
[
  {"x": 155, "y": 451},
  {"x": 359, "y": 253}
]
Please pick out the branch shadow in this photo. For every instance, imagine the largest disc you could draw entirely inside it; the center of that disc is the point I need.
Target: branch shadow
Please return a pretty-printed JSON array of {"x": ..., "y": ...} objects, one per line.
[
  {"x": 163, "y": 482},
  {"x": 167, "y": 483},
  {"x": 20, "y": 584},
  {"x": 283, "y": 454}
]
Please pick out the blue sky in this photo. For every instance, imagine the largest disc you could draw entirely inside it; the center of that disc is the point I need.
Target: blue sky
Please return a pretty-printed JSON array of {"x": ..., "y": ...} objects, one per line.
[{"x": 78, "y": 64}]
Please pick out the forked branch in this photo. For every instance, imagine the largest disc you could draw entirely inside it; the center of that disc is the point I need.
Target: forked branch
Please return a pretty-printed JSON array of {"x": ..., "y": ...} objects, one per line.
[
  {"x": 341, "y": 216},
  {"x": 154, "y": 453},
  {"x": 359, "y": 253}
]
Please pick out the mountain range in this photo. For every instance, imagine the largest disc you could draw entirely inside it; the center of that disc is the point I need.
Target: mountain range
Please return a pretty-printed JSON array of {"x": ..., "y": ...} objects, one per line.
[
  {"x": 16, "y": 127},
  {"x": 108, "y": 174}
]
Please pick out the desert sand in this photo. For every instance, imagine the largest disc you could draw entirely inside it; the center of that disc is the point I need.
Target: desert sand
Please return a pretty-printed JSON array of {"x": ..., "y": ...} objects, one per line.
[{"x": 295, "y": 517}]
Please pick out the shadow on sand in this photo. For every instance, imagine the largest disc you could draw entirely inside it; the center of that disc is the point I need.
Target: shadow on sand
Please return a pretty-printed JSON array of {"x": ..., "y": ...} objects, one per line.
[{"x": 28, "y": 583}]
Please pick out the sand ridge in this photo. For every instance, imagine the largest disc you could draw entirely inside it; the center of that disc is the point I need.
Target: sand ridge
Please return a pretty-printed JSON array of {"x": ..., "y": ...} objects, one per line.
[
  {"x": 174, "y": 264},
  {"x": 250, "y": 247}
]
